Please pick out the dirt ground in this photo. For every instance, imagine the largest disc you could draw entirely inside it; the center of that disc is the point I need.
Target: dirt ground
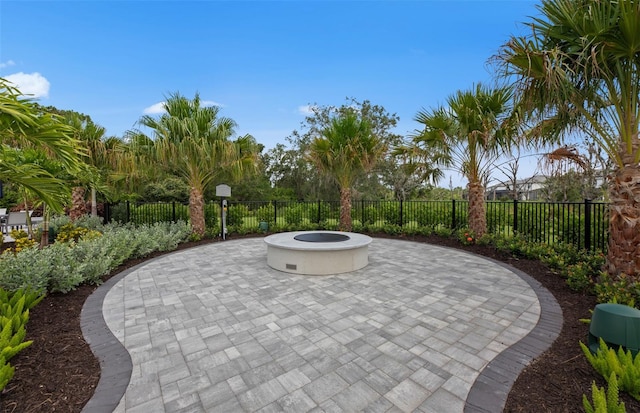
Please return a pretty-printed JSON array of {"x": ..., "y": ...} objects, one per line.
[{"x": 58, "y": 372}]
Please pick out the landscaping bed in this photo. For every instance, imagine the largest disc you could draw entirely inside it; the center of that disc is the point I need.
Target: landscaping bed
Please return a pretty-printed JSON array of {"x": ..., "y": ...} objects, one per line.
[{"x": 58, "y": 372}]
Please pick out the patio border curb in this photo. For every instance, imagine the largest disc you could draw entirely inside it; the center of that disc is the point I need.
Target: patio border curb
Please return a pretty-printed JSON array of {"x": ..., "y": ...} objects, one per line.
[{"x": 490, "y": 391}]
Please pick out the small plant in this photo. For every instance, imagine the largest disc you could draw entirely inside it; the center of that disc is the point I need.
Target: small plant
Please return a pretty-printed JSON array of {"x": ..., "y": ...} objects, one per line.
[
  {"x": 604, "y": 402},
  {"x": 622, "y": 291},
  {"x": 22, "y": 240},
  {"x": 466, "y": 237},
  {"x": 579, "y": 277},
  {"x": 442, "y": 231},
  {"x": 14, "y": 314},
  {"x": 71, "y": 232},
  {"x": 626, "y": 368}
]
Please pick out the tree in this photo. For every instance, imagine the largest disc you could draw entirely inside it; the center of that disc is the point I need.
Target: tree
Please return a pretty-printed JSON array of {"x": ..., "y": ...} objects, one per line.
[
  {"x": 292, "y": 167},
  {"x": 22, "y": 126},
  {"x": 468, "y": 136},
  {"x": 346, "y": 149},
  {"x": 580, "y": 68},
  {"x": 194, "y": 143}
]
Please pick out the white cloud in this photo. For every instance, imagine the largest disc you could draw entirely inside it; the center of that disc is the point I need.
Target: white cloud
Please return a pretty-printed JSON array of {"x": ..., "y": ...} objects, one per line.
[
  {"x": 306, "y": 110},
  {"x": 155, "y": 109},
  {"x": 7, "y": 64},
  {"x": 32, "y": 84},
  {"x": 158, "y": 108},
  {"x": 211, "y": 103}
]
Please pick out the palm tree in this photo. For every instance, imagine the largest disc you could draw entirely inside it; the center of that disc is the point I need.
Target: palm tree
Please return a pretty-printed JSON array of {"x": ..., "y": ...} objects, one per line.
[
  {"x": 346, "y": 149},
  {"x": 23, "y": 125},
  {"x": 580, "y": 68},
  {"x": 468, "y": 136},
  {"x": 194, "y": 143},
  {"x": 95, "y": 159}
]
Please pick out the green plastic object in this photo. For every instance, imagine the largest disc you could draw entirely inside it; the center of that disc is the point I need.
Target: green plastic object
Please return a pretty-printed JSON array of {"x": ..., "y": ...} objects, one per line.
[
  {"x": 263, "y": 226},
  {"x": 618, "y": 325}
]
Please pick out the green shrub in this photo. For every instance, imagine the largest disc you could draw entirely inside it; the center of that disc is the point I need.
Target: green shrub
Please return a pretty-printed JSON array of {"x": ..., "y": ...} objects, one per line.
[
  {"x": 608, "y": 402},
  {"x": 27, "y": 269},
  {"x": 21, "y": 239},
  {"x": 624, "y": 290},
  {"x": 70, "y": 232},
  {"x": 266, "y": 214},
  {"x": 293, "y": 215},
  {"x": 619, "y": 364},
  {"x": 236, "y": 214},
  {"x": 579, "y": 277},
  {"x": 442, "y": 231},
  {"x": 466, "y": 236},
  {"x": 14, "y": 314},
  {"x": 211, "y": 216}
]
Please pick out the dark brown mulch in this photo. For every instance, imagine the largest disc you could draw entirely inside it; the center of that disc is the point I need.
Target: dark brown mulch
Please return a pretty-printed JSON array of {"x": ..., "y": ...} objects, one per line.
[{"x": 58, "y": 372}]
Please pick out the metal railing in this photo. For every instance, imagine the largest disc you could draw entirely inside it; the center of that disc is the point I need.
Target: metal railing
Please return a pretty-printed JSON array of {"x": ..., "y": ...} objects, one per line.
[{"x": 583, "y": 224}]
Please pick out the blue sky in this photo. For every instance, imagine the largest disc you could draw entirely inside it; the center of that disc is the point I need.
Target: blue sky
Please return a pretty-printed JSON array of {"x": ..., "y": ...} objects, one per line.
[{"x": 263, "y": 62}]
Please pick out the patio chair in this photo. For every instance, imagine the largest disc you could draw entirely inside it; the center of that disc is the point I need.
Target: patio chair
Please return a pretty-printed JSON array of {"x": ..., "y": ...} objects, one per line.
[{"x": 15, "y": 220}]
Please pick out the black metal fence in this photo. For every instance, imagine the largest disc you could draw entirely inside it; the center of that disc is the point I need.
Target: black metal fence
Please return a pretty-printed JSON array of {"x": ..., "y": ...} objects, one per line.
[{"x": 583, "y": 224}]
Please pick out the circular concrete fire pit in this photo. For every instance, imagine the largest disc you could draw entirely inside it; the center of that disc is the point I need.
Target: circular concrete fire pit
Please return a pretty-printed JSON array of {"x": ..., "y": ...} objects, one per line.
[{"x": 317, "y": 252}]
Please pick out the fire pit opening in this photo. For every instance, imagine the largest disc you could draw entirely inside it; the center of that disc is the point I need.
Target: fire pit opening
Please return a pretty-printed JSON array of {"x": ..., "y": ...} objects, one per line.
[{"x": 321, "y": 237}]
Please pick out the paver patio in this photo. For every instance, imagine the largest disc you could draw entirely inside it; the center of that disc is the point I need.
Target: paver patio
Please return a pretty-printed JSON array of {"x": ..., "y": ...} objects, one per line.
[{"x": 214, "y": 329}]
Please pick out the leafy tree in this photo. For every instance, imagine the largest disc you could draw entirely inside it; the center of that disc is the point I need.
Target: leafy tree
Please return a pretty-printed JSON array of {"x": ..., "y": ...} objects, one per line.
[
  {"x": 22, "y": 126},
  {"x": 194, "y": 143},
  {"x": 468, "y": 136},
  {"x": 289, "y": 168},
  {"x": 580, "y": 68},
  {"x": 346, "y": 149}
]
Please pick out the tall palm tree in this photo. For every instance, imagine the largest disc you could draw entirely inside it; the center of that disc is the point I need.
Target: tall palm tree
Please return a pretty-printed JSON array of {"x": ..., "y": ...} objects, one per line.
[
  {"x": 194, "y": 143},
  {"x": 23, "y": 125},
  {"x": 580, "y": 68},
  {"x": 468, "y": 136},
  {"x": 95, "y": 158},
  {"x": 346, "y": 149}
]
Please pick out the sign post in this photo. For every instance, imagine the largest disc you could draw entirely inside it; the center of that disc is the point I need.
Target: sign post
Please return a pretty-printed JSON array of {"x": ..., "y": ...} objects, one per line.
[{"x": 223, "y": 191}]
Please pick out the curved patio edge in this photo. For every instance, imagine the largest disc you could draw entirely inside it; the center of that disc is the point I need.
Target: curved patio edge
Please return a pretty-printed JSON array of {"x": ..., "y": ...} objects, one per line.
[
  {"x": 491, "y": 388},
  {"x": 115, "y": 361}
]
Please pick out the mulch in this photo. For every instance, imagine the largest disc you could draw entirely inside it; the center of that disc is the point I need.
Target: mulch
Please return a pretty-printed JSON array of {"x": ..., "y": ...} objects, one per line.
[{"x": 58, "y": 372}]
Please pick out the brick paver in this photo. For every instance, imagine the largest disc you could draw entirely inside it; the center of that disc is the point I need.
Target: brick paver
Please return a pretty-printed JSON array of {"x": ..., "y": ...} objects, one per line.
[{"x": 421, "y": 328}]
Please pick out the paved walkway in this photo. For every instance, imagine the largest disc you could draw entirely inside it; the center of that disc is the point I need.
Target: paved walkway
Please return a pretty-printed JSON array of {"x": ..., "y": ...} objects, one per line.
[{"x": 214, "y": 329}]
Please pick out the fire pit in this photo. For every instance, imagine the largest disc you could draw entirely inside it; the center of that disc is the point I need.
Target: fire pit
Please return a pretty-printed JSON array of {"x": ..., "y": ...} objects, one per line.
[{"x": 317, "y": 252}]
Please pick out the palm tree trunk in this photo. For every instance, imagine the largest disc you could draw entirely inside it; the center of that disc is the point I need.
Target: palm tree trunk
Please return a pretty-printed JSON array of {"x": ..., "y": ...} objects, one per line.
[
  {"x": 623, "y": 255},
  {"x": 44, "y": 238},
  {"x": 477, "y": 211},
  {"x": 345, "y": 209},
  {"x": 94, "y": 203},
  {"x": 196, "y": 211},
  {"x": 78, "y": 206}
]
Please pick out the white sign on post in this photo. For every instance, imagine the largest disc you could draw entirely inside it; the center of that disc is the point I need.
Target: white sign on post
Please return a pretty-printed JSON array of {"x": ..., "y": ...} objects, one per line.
[{"x": 223, "y": 190}]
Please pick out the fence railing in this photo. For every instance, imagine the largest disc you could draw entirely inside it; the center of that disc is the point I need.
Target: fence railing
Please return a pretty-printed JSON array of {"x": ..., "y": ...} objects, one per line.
[{"x": 583, "y": 224}]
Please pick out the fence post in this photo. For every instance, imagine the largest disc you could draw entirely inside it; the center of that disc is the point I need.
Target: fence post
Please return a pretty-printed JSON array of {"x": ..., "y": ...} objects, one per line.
[
  {"x": 318, "y": 212},
  {"x": 401, "y": 212},
  {"x": 453, "y": 214},
  {"x": 107, "y": 213},
  {"x": 362, "y": 211},
  {"x": 173, "y": 211},
  {"x": 128, "y": 211},
  {"x": 515, "y": 216},
  {"x": 587, "y": 224},
  {"x": 275, "y": 212}
]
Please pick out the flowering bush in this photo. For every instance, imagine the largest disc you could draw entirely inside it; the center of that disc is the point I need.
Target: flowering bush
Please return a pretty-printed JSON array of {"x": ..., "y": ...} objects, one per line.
[{"x": 466, "y": 237}]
